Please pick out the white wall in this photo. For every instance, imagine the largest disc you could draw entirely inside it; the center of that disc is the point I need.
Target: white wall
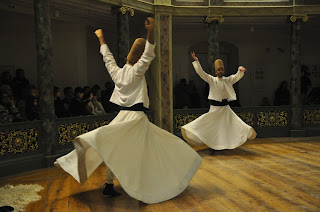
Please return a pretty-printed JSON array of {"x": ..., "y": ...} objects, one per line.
[
  {"x": 97, "y": 73},
  {"x": 76, "y": 57},
  {"x": 17, "y": 41},
  {"x": 69, "y": 54}
]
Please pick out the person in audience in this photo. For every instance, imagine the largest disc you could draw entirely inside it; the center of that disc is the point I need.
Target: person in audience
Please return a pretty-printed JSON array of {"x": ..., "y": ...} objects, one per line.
[
  {"x": 98, "y": 91},
  {"x": 68, "y": 96},
  {"x": 58, "y": 103},
  {"x": 20, "y": 85},
  {"x": 182, "y": 99},
  {"x": 95, "y": 105},
  {"x": 8, "y": 111},
  {"x": 86, "y": 92},
  {"x": 193, "y": 95},
  {"x": 282, "y": 94},
  {"x": 79, "y": 106},
  {"x": 32, "y": 109},
  {"x": 7, "y": 88}
]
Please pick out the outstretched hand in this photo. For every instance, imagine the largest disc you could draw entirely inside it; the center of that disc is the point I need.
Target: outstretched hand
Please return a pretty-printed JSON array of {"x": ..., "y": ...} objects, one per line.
[
  {"x": 193, "y": 55},
  {"x": 149, "y": 24},
  {"x": 243, "y": 69},
  {"x": 99, "y": 33}
]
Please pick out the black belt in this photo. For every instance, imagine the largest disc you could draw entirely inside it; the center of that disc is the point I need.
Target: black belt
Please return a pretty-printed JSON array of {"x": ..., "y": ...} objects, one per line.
[
  {"x": 224, "y": 102},
  {"x": 136, "y": 107}
]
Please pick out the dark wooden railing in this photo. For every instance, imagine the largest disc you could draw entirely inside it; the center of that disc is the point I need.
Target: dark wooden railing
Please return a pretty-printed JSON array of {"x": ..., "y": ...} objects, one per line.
[{"x": 22, "y": 150}]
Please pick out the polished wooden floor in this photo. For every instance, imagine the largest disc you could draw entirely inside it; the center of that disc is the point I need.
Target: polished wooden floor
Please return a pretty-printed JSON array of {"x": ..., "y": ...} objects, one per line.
[{"x": 270, "y": 174}]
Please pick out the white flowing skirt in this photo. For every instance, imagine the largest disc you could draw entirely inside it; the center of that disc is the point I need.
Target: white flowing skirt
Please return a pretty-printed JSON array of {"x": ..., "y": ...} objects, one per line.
[
  {"x": 151, "y": 164},
  {"x": 219, "y": 129}
]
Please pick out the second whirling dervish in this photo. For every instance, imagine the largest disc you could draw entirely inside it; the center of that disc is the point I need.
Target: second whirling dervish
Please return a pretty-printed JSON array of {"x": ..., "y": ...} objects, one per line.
[{"x": 220, "y": 128}]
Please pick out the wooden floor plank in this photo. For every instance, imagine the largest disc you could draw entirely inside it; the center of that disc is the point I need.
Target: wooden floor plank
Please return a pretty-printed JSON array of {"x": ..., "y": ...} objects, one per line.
[
  {"x": 285, "y": 165},
  {"x": 278, "y": 185},
  {"x": 269, "y": 174}
]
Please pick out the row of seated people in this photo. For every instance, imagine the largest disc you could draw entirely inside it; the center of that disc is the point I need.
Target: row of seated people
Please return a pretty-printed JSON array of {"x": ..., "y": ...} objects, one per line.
[
  {"x": 84, "y": 101},
  {"x": 81, "y": 102},
  {"x": 19, "y": 100}
]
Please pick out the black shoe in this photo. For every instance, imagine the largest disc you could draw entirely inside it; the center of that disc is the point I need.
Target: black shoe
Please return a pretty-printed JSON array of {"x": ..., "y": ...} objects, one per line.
[
  {"x": 6, "y": 208},
  {"x": 109, "y": 190},
  {"x": 213, "y": 151}
]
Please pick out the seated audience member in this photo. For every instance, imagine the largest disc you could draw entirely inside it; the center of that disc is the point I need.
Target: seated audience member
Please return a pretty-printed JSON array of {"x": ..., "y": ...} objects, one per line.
[
  {"x": 86, "y": 91},
  {"x": 7, "y": 88},
  {"x": 95, "y": 105},
  {"x": 20, "y": 85},
  {"x": 182, "y": 99},
  {"x": 32, "y": 109},
  {"x": 58, "y": 103},
  {"x": 78, "y": 106},
  {"x": 68, "y": 96},
  {"x": 282, "y": 94},
  {"x": 314, "y": 96},
  {"x": 195, "y": 101},
  {"x": 8, "y": 111},
  {"x": 98, "y": 90}
]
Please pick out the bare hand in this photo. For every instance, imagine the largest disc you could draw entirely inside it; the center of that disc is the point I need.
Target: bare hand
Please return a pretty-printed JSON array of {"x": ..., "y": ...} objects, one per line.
[
  {"x": 91, "y": 96},
  {"x": 99, "y": 33},
  {"x": 149, "y": 24},
  {"x": 241, "y": 68},
  {"x": 194, "y": 56}
]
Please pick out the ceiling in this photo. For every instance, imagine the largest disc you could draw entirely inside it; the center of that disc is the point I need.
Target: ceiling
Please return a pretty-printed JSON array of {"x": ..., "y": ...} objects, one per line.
[{"x": 97, "y": 12}]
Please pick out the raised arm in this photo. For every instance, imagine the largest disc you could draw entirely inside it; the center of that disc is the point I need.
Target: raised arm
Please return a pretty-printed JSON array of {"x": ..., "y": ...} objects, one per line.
[
  {"x": 149, "y": 24},
  {"x": 236, "y": 77},
  {"x": 99, "y": 34},
  {"x": 108, "y": 58},
  {"x": 148, "y": 55},
  {"x": 196, "y": 64}
]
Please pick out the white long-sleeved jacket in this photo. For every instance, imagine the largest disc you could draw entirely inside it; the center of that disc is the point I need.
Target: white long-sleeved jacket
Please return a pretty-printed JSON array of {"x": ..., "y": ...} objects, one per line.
[
  {"x": 220, "y": 88},
  {"x": 130, "y": 83}
]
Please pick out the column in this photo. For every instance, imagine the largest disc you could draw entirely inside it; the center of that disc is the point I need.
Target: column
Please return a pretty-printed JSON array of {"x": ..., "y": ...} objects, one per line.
[
  {"x": 295, "y": 78},
  {"x": 213, "y": 42},
  {"x": 161, "y": 98},
  {"x": 48, "y": 133},
  {"x": 123, "y": 14}
]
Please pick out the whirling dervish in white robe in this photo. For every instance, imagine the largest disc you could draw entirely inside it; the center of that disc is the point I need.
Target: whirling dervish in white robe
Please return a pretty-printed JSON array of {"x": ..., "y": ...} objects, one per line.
[
  {"x": 220, "y": 128},
  {"x": 151, "y": 164}
]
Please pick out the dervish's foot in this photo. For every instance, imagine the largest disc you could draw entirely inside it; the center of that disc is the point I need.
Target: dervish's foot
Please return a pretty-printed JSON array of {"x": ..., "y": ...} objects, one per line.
[
  {"x": 214, "y": 151},
  {"x": 109, "y": 190}
]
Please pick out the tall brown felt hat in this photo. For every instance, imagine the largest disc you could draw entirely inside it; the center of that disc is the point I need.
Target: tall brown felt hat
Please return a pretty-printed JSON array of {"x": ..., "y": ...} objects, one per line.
[
  {"x": 136, "y": 50},
  {"x": 218, "y": 64}
]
